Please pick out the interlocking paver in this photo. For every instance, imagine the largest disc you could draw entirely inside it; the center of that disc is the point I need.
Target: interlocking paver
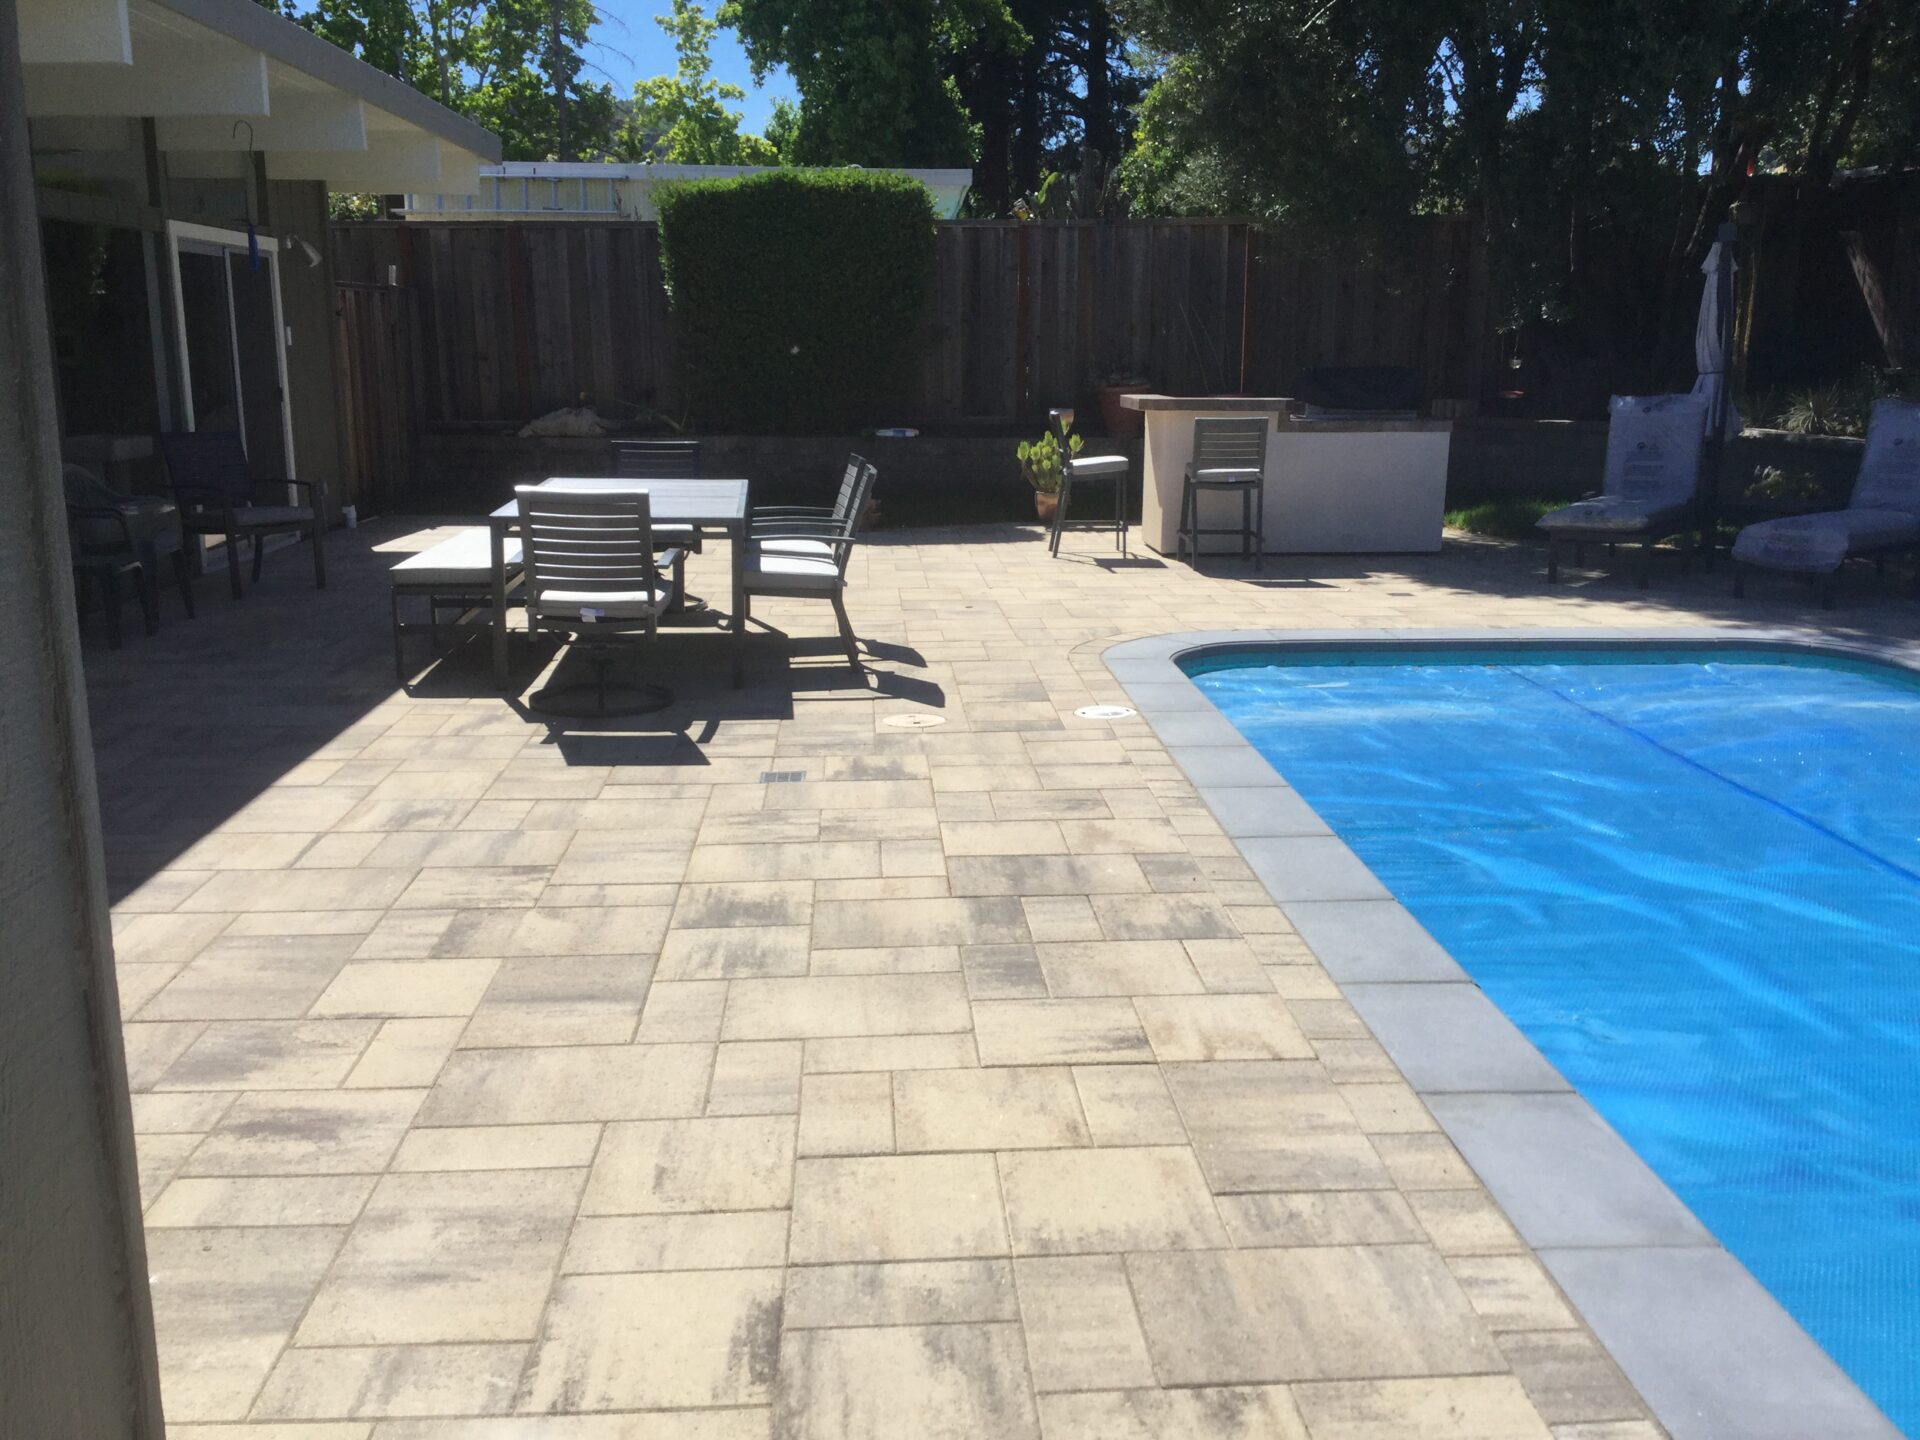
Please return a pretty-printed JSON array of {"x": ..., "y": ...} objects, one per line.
[{"x": 831, "y": 1060}]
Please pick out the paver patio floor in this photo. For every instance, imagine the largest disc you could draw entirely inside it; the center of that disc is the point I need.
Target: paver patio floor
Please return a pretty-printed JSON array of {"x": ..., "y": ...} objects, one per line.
[{"x": 763, "y": 1068}]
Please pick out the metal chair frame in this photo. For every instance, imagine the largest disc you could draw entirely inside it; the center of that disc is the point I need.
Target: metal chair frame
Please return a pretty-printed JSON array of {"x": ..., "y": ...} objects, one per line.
[{"x": 1236, "y": 451}]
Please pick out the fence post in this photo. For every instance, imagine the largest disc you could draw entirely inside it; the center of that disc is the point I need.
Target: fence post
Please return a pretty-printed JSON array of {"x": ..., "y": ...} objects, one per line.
[{"x": 1022, "y": 321}]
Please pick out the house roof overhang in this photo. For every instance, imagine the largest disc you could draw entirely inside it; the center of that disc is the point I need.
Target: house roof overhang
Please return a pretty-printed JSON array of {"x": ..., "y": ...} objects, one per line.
[{"x": 231, "y": 75}]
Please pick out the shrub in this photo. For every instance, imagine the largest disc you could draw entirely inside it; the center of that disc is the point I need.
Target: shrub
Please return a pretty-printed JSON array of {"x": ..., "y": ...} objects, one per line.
[{"x": 798, "y": 295}]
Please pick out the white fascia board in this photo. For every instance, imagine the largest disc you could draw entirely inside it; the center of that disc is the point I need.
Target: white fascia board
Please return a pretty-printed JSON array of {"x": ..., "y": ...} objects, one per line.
[
  {"x": 311, "y": 119},
  {"x": 167, "y": 77}
]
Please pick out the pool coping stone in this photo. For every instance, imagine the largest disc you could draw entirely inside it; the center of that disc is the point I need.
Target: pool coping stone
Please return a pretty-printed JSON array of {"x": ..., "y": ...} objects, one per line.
[{"x": 1713, "y": 1354}]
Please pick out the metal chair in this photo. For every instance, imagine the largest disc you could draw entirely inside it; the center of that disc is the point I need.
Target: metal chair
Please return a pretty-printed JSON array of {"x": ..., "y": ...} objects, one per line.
[
  {"x": 592, "y": 577},
  {"x": 811, "y": 562},
  {"x": 665, "y": 460},
  {"x": 1079, "y": 468},
  {"x": 216, "y": 495},
  {"x": 798, "y": 521},
  {"x": 104, "y": 524},
  {"x": 1229, "y": 457}
]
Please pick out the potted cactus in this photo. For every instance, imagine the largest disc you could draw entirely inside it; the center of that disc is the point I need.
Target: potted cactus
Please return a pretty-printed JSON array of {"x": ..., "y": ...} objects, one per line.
[{"x": 1043, "y": 461}]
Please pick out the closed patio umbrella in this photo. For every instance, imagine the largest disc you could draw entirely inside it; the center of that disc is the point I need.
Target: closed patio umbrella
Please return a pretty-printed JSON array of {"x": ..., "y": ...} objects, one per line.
[{"x": 1713, "y": 337}]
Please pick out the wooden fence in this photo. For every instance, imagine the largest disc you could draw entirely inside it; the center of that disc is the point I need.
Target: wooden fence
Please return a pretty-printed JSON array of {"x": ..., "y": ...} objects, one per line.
[
  {"x": 378, "y": 378},
  {"x": 512, "y": 320}
]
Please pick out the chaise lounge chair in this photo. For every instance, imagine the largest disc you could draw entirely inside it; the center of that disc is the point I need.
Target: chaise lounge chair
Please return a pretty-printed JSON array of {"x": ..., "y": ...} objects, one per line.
[
  {"x": 1651, "y": 484},
  {"x": 1882, "y": 515}
]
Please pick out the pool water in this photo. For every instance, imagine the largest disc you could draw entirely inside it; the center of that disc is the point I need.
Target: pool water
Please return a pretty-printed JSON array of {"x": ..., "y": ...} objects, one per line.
[{"x": 1693, "y": 880}]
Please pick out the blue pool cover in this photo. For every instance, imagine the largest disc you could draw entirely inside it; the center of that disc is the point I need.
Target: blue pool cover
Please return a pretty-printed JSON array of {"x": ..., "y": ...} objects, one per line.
[{"x": 1693, "y": 879}]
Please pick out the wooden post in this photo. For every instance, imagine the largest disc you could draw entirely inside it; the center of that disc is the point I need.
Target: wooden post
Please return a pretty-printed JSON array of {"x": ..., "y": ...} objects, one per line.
[{"x": 77, "y": 1359}]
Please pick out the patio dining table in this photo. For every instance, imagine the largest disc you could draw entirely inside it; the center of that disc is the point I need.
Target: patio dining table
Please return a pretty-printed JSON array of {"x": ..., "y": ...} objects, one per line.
[{"x": 714, "y": 506}]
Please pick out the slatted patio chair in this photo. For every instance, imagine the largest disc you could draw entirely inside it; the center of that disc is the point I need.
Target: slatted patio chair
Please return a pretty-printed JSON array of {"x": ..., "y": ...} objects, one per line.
[
  {"x": 810, "y": 563},
  {"x": 217, "y": 495},
  {"x": 1078, "y": 471},
  {"x": 801, "y": 522},
  {"x": 592, "y": 577},
  {"x": 665, "y": 460},
  {"x": 103, "y": 523},
  {"x": 1229, "y": 458}
]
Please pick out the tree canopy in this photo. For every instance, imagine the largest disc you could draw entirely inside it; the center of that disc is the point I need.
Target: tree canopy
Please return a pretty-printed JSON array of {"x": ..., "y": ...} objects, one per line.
[
  {"x": 517, "y": 67},
  {"x": 683, "y": 118}
]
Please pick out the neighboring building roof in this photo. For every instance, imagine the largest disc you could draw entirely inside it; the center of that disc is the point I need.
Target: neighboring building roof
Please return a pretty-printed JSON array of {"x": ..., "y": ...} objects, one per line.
[
  {"x": 604, "y": 190},
  {"x": 231, "y": 75}
]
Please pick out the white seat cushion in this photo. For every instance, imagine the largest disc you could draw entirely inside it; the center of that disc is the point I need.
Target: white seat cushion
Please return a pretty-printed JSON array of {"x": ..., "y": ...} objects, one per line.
[
  {"x": 1614, "y": 515},
  {"x": 792, "y": 572},
  {"x": 1099, "y": 465},
  {"x": 812, "y": 549},
  {"x": 463, "y": 559},
  {"x": 1212, "y": 476},
  {"x": 1816, "y": 544},
  {"x": 606, "y": 604}
]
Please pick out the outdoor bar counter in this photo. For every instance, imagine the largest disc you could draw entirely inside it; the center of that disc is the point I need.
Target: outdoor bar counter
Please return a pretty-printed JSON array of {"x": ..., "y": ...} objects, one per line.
[{"x": 1343, "y": 486}]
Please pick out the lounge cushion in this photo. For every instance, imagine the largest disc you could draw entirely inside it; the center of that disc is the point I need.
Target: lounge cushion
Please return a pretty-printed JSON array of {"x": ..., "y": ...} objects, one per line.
[
  {"x": 1614, "y": 515},
  {"x": 1816, "y": 544},
  {"x": 1890, "y": 468},
  {"x": 463, "y": 559}
]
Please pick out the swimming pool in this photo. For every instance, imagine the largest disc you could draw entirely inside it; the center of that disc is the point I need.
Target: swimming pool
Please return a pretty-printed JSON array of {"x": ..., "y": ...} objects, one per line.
[{"x": 1693, "y": 880}]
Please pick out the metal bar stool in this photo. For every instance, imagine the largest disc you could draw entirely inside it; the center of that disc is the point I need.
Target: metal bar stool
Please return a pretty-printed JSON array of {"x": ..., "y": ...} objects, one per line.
[
  {"x": 1229, "y": 456},
  {"x": 1081, "y": 468}
]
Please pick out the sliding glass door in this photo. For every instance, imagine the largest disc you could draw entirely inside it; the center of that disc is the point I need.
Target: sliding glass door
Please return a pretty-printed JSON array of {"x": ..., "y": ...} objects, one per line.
[{"x": 232, "y": 342}]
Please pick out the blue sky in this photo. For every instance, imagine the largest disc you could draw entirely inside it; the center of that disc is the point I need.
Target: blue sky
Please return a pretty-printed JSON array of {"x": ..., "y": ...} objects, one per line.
[{"x": 631, "y": 47}]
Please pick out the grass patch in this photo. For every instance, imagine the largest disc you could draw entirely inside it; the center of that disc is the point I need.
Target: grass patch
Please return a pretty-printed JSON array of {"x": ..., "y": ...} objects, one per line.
[{"x": 1510, "y": 517}]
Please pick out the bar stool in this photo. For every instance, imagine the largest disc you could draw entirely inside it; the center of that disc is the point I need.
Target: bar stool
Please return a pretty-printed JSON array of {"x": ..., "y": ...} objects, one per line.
[
  {"x": 1229, "y": 456},
  {"x": 1086, "y": 467}
]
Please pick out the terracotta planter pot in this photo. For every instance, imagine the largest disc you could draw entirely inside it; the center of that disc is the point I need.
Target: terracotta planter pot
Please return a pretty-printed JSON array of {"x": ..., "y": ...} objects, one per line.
[
  {"x": 1044, "y": 505},
  {"x": 1120, "y": 421}
]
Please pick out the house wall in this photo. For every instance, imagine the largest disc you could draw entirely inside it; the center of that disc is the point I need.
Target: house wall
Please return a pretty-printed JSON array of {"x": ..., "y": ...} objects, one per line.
[
  {"x": 77, "y": 1357},
  {"x": 299, "y": 208}
]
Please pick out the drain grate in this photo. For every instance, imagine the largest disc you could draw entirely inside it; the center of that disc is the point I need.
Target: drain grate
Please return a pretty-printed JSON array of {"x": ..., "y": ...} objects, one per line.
[{"x": 782, "y": 777}]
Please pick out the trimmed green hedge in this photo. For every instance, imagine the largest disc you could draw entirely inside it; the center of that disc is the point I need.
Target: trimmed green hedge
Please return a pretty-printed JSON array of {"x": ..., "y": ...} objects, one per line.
[{"x": 798, "y": 295}]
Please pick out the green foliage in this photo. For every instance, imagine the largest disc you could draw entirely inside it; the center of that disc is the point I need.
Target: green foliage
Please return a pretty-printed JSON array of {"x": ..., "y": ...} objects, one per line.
[
  {"x": 1842, "y": 408},
  {"x": 798, "y": 295},
  {"x": 1507, "y": 517},
  {"x": 514, "y": 66},
  {"x": 683, "y": 118},
  {"x": 1596, "y": 142},
  {"x": 1043, "y": 462},
  {"x": 1799, "y": 485},
  {"x": 873, "y": 75}
]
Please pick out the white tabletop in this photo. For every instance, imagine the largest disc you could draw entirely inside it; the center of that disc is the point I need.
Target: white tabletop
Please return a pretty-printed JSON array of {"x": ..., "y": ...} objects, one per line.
[{"x": 696, "y": 502}]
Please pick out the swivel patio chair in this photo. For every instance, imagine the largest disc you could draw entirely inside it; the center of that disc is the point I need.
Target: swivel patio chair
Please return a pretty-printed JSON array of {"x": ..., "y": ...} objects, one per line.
[
  {"x": 811, "y": 562},
  {"x": 1229, "y": 458},
  {"x": 592, "y": 578},
  {"x": 219, "y": 496},
  {"x": 1079, "y": 470},
  {"x": 1651, "y": 485},
  {"x": 665, "y": 460}
]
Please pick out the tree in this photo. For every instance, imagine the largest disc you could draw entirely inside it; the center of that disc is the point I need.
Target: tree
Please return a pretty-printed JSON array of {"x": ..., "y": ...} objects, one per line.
[
  {"x": 1584, "y": 137},
  {"x": 683, "y": 118},
  {"x": 514, "y": 66},
  {"x": 874, "y": 75},
  {"x": 1057, "y": 101}
]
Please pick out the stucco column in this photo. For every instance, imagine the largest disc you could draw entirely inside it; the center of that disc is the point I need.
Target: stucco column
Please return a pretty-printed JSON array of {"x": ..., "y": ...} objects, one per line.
[{"x": 76, "y": 1326}]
